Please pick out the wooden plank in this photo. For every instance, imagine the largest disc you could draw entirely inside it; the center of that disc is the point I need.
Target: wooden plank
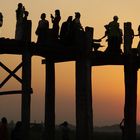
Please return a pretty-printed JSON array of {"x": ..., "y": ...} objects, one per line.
[{"x": 11, "y": 92}]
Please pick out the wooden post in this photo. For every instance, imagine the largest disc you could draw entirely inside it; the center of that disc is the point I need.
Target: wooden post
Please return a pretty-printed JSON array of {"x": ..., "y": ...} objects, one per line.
[
  {"x": 130, "y": 101},
  {"x": 130, "y": 73},
  {"x": 26, "y": 88},
  {"x": 84, "y": 116},
  {"x": 26, "y": 94},
  {"x": 128, "y": 38},
  {"x": 50, "y": 101}
]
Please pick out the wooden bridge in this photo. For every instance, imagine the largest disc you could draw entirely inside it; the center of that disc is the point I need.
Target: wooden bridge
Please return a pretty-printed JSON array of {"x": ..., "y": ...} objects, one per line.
[{"x": 85, "y": 57}]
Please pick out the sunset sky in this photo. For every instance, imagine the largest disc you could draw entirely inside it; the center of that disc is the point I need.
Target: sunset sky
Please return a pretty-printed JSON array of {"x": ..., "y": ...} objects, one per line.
[{"x": 107, "y": 81}]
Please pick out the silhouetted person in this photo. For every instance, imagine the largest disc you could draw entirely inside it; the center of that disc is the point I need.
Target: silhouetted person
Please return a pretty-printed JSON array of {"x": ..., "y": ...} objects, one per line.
[
  {"x": 114, "y": 34},
  {"x": 1, "y": 19},
  {"x": 19, "y": 18},
  {"x": 76, "y": 22},
  {"x": 130, "y": 35},
  {"x": 4, "y": 134},
  {"x": 96, "y": 44},
  {"x": 138, "y": 46},
  {"x": 66, "y": 31},
  {"x": 26, "y": 25},
  {"x": 77, "y": 28},
  {"x": 138, "y": 31},
  {"x": 42, "y": 29},
  {"x": 65, "y": 130},
  {"x": 55, "y": 20},
  {"x": 16, "y": 133},
  {"x": 25, "y": 17},
  {"x": 109, "y": 48},
  {"x": 122, "y": 128}
]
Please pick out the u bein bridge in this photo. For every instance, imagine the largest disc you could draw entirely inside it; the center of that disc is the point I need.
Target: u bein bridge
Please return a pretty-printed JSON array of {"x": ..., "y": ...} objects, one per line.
[{"x": 82, "y": 53}]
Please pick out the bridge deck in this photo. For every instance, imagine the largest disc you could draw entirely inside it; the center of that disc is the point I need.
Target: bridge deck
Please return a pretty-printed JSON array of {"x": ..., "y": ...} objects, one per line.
[{"x": 60, "y": 53}]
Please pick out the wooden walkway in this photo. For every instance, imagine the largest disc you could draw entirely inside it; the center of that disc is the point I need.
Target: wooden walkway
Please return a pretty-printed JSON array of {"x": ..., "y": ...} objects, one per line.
[{"x": 85, "y": 58}]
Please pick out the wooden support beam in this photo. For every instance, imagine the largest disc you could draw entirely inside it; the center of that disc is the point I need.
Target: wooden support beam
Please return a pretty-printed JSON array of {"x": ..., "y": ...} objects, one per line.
[
  {"x": 26, "y": 86},
  {"x": 11, "y": 73},
  {"x": 26, "y": 95},
  {"x": 130, "y": 75},
  {"x": 84, "y": 122},
  {"x": 50, "y": 101},
  {"x": 11, "y": 92},
  {"x": 84, "y": 114},
  {"x": 130, "y": 72}
]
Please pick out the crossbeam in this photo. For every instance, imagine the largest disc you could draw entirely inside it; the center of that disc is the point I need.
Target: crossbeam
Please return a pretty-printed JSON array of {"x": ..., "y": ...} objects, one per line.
[
  {"x": 11, "y": 73},
  {"x": 11, "y": 92}
]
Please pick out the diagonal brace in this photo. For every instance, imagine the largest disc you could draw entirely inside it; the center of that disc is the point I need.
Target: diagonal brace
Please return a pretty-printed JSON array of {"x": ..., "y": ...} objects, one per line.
[{"x": 11, "y": 73}]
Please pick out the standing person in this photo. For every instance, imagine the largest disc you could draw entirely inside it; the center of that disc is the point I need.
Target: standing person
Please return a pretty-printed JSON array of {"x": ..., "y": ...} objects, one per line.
[
  {"x": 65, "y": 32},
  {"x": 76, "y": 22},
  {"x": 114, "y": 35},
  {"x": 128, "y": 37},
  {"x": 17, "y": 132},
  {"x": 138, "y": 31},
  {"x": 42, "y": 29},
  {"x": 55, "y": 20},
  {"x": 65, "y": 130},
  {"x": 4, "y": 134},
  {"x": 26, "y": 24},
  {"x": 77, "y": 28},
  {"x": 19, "y": 18},
  {"x": 1, "y": 19}
]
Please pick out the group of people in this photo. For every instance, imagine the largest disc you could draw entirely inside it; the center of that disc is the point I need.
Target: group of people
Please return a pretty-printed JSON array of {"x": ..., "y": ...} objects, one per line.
[
  {"x": 6, "y": 134},
  {"x": 16, "y": 132},
  {"x": 65, "y": 33},
  {"x": 68, "y": 31},
  {"x": 114, "y": 36}
]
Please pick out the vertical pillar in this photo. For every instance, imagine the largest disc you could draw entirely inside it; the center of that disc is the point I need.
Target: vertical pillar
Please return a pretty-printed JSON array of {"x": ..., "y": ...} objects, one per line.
[
  {"x": 84, "y": 114},
  {"x": 26, "y": 86},
  {"x": 128, "y": 37},
  {"x": 130, "y": 109},
  {"x": 130, "y": 75},
  {"x": 50, "y": 101},
  {"x": 26, "y": 94}
]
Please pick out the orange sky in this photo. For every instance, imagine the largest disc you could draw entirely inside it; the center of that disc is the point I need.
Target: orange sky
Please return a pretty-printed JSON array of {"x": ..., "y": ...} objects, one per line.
[{"x": 107, "y": 83}]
